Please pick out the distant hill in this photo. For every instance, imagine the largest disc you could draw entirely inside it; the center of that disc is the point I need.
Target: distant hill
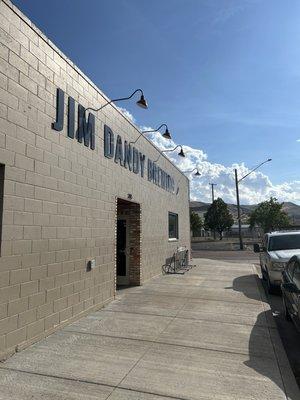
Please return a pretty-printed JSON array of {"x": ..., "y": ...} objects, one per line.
[{"x": 293, "y": 210}]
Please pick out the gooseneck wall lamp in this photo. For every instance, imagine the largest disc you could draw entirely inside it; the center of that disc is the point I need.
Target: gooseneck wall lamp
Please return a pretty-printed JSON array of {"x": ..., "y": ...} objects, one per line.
[
  {"x": 165, "y": 135},
  {"x": 181, "y": 153},
  {"x": 197, "y": 173},
  {"x": 141, "y": 102}
]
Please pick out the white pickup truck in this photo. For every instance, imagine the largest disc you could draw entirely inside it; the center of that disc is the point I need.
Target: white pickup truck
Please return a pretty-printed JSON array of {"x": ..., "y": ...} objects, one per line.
[{"x": 276, "y": 250}]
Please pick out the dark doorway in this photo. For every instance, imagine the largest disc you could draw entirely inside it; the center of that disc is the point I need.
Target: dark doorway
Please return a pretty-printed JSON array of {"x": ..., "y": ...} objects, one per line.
[
  {"x": 128, "y": 235},
  {"x": 122, "y": 270}
]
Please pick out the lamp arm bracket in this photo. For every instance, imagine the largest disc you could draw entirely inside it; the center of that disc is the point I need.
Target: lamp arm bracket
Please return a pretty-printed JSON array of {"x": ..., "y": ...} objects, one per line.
[
  {"x": 155, "y": 130},
  {"x": 113, "y": 101},
  {"x": 163, "y": 151}
]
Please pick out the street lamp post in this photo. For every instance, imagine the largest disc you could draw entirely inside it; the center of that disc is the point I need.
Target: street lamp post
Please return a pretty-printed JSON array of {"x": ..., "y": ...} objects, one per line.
[
  {"x": 212, "y": 200},
  {"x": 237, "y": 181},
  {"x": 212, "y": 191},
  {"x": 238, "y": 209}
]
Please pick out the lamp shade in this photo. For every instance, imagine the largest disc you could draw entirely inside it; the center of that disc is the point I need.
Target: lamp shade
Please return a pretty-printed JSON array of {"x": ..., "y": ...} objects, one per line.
[
  {"x": 142, "y": 102},
  {"x": 167, "y": 134},
  {"x": 181, "y": 153}
]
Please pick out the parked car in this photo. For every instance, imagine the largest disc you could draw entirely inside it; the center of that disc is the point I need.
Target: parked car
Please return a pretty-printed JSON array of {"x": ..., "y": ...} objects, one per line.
[
  {"x": 290, "y": 288},
  {"x": 276, "y": 250}
]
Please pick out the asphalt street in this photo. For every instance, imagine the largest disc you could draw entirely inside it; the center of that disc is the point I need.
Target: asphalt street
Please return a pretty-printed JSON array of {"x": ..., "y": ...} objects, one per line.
[{"x": 225, "y": 255}]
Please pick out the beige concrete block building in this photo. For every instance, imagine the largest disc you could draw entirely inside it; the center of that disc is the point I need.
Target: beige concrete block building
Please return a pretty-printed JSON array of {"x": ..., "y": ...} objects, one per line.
[{"x": 82, "y": 210}]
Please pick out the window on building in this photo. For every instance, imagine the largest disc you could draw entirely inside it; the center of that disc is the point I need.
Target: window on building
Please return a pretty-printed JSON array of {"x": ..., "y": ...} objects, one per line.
[{"x": 173, "y": 226}]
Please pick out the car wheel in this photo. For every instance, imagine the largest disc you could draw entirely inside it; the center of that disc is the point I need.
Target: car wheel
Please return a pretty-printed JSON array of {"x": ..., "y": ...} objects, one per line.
[
  {"x": 271, "y": 288},
  {"x": 286, "y": 311}
]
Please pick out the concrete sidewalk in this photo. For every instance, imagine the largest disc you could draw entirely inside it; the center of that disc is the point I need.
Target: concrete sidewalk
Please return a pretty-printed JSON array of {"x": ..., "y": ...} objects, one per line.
[{"x": 208, "y": 334}]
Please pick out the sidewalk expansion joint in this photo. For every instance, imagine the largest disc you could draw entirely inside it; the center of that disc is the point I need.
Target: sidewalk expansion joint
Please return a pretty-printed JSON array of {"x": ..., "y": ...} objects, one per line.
[
  {"x": 84, "y": 381},
  {"x": 170, "y": 344},
  {"x": 192, "y": 319},
  {"x": 194, "y": 298}
]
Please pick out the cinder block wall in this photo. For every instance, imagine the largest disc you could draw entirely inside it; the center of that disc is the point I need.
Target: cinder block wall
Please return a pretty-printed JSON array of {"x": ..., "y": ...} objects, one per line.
[{"x": 59, "y": 205}]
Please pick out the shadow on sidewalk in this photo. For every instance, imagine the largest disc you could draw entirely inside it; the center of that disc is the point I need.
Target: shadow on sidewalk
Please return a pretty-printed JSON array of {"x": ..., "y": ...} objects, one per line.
[{"x": 263, "y": 364}]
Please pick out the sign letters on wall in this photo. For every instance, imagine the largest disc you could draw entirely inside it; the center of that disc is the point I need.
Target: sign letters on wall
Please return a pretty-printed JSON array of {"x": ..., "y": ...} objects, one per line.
[
  {"x": 85, "y": 131},
  {"x": 115, "y": 147},
  {"x": 129, "y": 157}
]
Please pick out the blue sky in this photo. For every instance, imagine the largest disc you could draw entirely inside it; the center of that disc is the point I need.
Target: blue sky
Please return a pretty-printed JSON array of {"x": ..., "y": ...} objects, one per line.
[{"x": 224, "y": 75}]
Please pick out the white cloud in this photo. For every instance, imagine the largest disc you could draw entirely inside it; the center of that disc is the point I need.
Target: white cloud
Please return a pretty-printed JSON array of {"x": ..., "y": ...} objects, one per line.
[
  {"x": 255, "y": 188},
  {"x": 127, "y": 114}
]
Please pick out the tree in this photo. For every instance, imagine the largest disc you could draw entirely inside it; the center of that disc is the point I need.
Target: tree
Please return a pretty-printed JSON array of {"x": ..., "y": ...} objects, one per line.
[
  {"x": 218, "y": 217},
  {"x": 269, "y": 216},
  {"x": 196, "y": 223}
]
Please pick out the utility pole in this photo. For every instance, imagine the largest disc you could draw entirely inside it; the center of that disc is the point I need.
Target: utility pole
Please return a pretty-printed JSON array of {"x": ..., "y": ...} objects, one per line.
[
  {"x": 213, "y": 199},
  {"x": 238, "y": 209}
]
